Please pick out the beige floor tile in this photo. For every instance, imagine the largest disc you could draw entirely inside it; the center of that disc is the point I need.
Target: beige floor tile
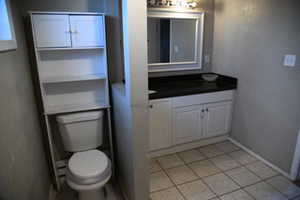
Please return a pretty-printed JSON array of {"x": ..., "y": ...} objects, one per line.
[
  {"x": 181, "y": 174},
  {"x": 261, "y": 170},
  {"x": 210, "y": 151},
  {"x": 227, "y": 147},
  {"x": 237, "y": 195},
  {"x": 196, "y": 190},
  {"x": 225, "y": 162},
  {"x": 263, "y": 191},
  {"x": 170, "y": 161},
  {"x": 159, "y": 181},
  {"x": 169, "y": 194},
  {"x": 242, "y": 157},
  {"x": 191, "y": 156},
  {"x": 220, "y": 184},
  {"x": 204, "y": 168},
  {"x": 243, "y": 176},
  {"x": 154, "y": 166},
  {"x": 284, "y": 186}
]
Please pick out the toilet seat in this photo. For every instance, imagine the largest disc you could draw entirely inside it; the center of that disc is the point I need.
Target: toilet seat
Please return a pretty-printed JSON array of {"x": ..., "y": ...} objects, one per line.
[{"x": 88, "y": 167}]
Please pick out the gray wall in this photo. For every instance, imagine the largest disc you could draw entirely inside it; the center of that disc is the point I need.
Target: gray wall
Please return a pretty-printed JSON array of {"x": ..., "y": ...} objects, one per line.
[
  {"x": 23, "y": 170},
  {"x": 250, "y": 40}
]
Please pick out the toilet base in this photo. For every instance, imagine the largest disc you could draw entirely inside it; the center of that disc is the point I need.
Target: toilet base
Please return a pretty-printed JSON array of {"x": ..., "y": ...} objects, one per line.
[
  {"x": 92, "y": 195},
  {"x": 95, "y": 191}
]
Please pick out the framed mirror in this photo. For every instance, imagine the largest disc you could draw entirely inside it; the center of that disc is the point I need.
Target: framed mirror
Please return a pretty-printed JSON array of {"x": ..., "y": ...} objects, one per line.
[{"x": 174, "y": 40}]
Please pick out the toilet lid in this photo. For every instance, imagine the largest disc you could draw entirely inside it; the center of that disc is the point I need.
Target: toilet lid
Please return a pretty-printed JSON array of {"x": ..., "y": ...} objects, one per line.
[{"x": 91, "y": 164}]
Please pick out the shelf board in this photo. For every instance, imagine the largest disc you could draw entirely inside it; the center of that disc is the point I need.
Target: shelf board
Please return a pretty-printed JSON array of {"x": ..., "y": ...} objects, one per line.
[
  {"x": 68, "y": 48},
  {"x": 75, "y": 107},
  {"x": 61, "y": 79}
]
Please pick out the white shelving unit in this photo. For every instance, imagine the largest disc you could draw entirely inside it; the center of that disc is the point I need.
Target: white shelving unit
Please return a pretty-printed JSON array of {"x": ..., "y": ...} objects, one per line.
[{"x": 71, "y": 65}]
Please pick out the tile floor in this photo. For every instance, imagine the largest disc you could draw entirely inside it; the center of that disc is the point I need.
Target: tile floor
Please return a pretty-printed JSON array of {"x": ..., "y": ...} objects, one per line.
[{"x": 217, "y": 172}]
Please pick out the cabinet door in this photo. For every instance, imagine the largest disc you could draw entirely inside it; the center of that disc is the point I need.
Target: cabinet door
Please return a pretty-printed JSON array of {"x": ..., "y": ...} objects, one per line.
[
  {"x": 217, "y": 118},
  {"x": 187, "y": 124},
  {"x": 160, "y": 124},
  {"x": 87, "y": 31},
  {"x": 52, "y": 31}
]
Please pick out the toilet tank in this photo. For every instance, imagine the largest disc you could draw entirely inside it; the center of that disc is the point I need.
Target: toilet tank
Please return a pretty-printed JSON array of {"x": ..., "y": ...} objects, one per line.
[{"x": 81, "y": 131}]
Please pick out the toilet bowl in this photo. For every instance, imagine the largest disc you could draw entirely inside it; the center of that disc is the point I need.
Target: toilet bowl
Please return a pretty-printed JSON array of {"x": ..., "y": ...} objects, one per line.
[
  {"x": 88, "y": 169},
  {"x": 87, "y": 173}
]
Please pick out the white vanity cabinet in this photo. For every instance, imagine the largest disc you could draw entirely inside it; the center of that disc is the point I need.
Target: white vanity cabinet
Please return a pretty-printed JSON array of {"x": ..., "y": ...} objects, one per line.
[
  {"x": 190, "y": 118},
  {"x": 160, "y": 124},
  {"x": 68, "y": 31},
  {"x": 217, "y": 118},
  {"x": 187, "y": 124}
]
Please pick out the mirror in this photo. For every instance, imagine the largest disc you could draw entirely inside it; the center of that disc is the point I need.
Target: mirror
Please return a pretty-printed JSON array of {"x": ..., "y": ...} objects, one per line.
[{"x": 172, "y": 40}]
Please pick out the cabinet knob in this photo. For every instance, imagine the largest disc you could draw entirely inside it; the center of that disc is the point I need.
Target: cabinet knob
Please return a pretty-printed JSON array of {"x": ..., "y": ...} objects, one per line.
[
  {"x": 150, "y": 106},
  {"x": 203, "y": 110},
  {"x": 207, "y": 110}
]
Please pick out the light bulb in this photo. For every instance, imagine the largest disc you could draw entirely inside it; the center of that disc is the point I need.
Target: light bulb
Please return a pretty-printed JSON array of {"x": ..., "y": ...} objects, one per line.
[{"x": 194, "y": 4}]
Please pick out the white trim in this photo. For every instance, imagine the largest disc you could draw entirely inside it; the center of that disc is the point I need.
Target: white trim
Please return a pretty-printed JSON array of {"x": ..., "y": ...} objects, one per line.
[
  {"x": 296, "y": 161},
  {"x": 261, "y": 159},
  {"x": 174, "y": 69},
  {"x": 52, "y": 193},
  {"x": 187, "y": 146},
  {"x": 174, "y": 10},
  {"x": 180, "y": 66}
]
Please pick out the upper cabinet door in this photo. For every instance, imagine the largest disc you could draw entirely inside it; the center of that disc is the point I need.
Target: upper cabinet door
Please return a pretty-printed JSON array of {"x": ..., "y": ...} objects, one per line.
[
  {"x": 52, "y": 31},
  {"x": 217, "y": 118},
  {"x": 87, "y": 31}
]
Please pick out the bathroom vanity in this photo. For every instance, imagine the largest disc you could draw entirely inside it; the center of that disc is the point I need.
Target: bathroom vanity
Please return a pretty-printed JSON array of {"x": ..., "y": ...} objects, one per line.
[{"x": 186, "y": 110}]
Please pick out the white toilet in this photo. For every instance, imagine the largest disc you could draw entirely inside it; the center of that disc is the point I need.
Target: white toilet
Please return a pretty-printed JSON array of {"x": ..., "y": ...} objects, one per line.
[{"x": 88, "y": 169}]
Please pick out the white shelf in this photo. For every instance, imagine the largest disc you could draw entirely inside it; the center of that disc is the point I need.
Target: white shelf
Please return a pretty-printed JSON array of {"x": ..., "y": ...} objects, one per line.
[
  {"x": 75, "y": 107},
  {"x": 68, "y": 48},
  {"x": 61, "y": 79}
]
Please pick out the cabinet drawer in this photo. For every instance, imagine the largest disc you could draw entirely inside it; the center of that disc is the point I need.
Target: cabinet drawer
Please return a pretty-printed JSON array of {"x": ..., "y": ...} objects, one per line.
[{"x": 202, "y": 98}]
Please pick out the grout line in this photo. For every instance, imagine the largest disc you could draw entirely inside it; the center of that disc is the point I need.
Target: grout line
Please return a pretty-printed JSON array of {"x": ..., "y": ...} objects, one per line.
[
  {"x": 175, "y": 186},
  {"x": 206, "y": 158}
]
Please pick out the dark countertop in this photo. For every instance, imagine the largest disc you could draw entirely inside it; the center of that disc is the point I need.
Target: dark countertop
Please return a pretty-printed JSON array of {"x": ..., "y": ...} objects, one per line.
[{"x": 183, "y": 85}]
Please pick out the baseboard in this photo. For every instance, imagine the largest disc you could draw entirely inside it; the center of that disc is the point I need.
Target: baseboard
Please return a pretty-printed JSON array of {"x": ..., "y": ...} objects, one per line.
[
  {"x": 261, "y": 159},
  {"x": 187, "y": 146},
  {"x": 52, "y": 192}
]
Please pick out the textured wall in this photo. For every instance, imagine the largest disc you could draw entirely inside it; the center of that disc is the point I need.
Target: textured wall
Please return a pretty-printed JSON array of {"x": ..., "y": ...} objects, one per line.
[
  {"x": 23, "y": 169},
  {"x": 250, "y": 40}
]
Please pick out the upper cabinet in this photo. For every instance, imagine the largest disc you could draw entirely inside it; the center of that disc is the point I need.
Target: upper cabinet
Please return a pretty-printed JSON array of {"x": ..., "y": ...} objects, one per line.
[
  {"x": 71, "y": 58},
  {"x": 175, "y": 40},
  {"x": 68, "y": 31},
  {"x": 52, "y": 31},
  {"x": 86, "y": 31}
]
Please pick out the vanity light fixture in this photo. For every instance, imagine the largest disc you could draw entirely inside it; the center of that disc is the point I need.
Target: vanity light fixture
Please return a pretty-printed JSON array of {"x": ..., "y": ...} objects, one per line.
[
  {"x": 173, "y": 3},
  {"x": 192, "y": 4}
]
